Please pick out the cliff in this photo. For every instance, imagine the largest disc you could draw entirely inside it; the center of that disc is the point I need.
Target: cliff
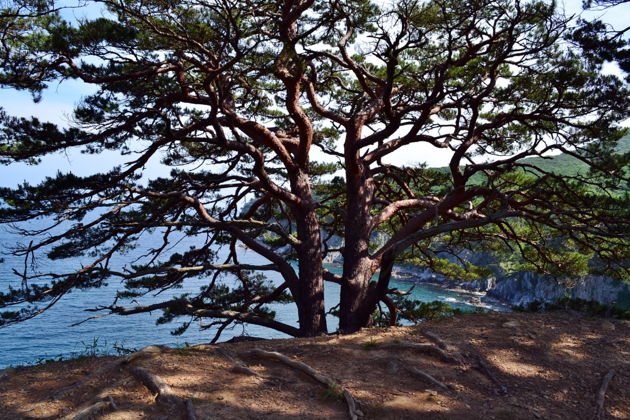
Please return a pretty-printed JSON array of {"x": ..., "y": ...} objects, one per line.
[{"x": 522, "y": 288}]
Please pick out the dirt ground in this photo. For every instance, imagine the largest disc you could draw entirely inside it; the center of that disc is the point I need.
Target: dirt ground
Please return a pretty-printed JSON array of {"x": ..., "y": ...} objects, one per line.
[{"x": 551, "y": 366}]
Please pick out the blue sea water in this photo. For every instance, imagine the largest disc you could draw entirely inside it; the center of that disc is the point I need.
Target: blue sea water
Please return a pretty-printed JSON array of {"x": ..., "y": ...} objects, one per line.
[{"x": 50, "y": 336}]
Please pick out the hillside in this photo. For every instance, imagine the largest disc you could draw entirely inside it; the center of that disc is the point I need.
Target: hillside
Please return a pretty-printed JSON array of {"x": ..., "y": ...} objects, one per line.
[
  {"x": 492, "y": 366},
  {"x": 568, "y": 165}
]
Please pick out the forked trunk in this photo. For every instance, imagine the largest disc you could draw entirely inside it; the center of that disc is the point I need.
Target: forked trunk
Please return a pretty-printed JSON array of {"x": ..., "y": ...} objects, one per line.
[
  {"x": 357, "y": 264},
  {"x": 354, "y": 314},
  {"x": 360, "y": 297}
]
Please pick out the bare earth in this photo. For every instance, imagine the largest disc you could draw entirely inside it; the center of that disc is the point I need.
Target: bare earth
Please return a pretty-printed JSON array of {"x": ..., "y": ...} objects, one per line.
[{"x": 551, "y": 365}]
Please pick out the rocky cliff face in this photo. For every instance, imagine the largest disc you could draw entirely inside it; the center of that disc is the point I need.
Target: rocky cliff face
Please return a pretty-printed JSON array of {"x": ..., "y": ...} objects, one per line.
[
  {"x": 518, "y": 289},
  {"x": 522, "y": 288}
]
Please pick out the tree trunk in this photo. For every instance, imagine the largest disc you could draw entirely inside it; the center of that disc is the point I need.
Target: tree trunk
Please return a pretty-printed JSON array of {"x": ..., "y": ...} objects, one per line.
[
  {"x": 358, "y": 267},
  {"x": 359, "y": 298},
  {"x": 309, "y": 293},
  {"x": 354, "y": 313}
]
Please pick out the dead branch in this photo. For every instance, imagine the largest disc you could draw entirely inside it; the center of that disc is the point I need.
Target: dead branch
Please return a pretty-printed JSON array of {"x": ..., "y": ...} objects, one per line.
[
  {"x": 601, "y": 394},
  {"x": 485, "y": 369},
  {"x": 353, "y": 413}
]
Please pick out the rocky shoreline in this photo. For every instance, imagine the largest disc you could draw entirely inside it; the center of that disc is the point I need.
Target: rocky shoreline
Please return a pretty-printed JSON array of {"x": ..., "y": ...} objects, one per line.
[
  {"x": 523, "y": 288},
  {"x": 503, "y": 291}
]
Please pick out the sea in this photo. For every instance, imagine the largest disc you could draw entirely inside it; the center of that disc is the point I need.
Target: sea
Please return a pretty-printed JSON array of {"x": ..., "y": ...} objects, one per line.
[{"x": 51, "y": 336}]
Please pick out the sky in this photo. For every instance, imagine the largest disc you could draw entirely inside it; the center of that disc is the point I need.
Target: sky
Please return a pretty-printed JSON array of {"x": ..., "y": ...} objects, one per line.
[{"x": 59, "y": 99}]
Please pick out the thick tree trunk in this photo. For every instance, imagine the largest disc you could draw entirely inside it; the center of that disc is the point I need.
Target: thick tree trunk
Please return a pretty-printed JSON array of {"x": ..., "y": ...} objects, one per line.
[
  {"x": 309, "y": 293},
  {"x": 354, "y": 314},
  {"x": 358, "y": 267},
  {"x": 361, "y": 297}
]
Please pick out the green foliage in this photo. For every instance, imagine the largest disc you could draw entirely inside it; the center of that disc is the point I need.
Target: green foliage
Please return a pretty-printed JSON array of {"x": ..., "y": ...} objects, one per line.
[
  {"x": 93, "y": 348},
  {"x": 371, "y": 343},
  {"x": 589, "y": 307},
  {"x": 333, "y": 392},
  {"x": 413, "y": 311},
  {"x": 280, "y": 130},
  {"x": 568, "y": 165},
  {"x": 455, "y": 271},
  {"x": 46, "y": 360}
]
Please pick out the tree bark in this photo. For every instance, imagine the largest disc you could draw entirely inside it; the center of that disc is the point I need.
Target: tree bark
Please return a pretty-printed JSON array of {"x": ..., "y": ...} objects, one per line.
[
  {"x": 354, "y": 313},
  {"x": 363, "y": 296},
  {"x": 309, "y": 293},
  {"x": 358, "y": 267}
]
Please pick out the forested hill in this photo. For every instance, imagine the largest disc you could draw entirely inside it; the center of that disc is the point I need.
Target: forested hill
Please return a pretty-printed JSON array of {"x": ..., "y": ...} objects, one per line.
[
  {"x": 568, "y": 165},
  {"x": 561, "y": 164}
]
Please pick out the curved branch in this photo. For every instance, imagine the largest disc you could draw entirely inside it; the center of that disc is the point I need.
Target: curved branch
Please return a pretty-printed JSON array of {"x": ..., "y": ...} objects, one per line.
[{"x": 185, "y": 307}]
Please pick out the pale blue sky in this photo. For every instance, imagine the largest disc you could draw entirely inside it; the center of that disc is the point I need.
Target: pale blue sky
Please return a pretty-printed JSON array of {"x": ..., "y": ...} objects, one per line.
[{"x": 60, "y": 98}]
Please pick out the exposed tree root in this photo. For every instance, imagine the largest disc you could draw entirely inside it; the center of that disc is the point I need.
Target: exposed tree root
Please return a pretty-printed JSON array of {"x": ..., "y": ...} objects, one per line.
[
  {"x": 112, "y": 403},
  {"x": 105, "y": 393},
  {"x": 244, "y": 370},
  {"x": 88, "y": 411},
  {"x": 238, "y": 365},
  {"x": 105, "y": 368},
  {"x": 147, "y": 351},
  {"x": 420, "y": 348},
  {"x": 165, "y": 394},
  {"x": 190, "y": 410},
  {"x": 296, "y": 364},
  {"x": 353, "y": 412},
  {"x": 144, "y": 352},
  {"x": 244, "y": 338},
  {"x": 444, "y": 345},
  {"x": 601, "y": 394},
  {"x": 485, "y": 369},
  {"x": 406, "y": 365}
]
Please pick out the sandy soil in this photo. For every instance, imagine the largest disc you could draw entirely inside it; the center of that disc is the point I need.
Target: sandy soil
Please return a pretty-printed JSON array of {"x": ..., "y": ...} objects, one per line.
[{"x": 551, "y": 364}]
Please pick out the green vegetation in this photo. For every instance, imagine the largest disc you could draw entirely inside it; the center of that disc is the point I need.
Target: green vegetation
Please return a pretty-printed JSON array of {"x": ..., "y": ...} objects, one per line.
[
  {"x": 93, "y": 348},
  {"x": 371, "y": 343},
  {"x": 333, "y": 392},
  {"x": 279, "y": 137},
  {"x": 564, "y": 164},
  {"x": 411, "y": 311},
  {"x": 588, "y": 307}
]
